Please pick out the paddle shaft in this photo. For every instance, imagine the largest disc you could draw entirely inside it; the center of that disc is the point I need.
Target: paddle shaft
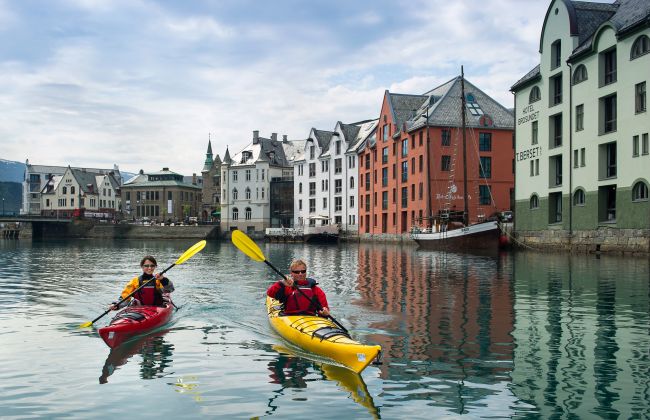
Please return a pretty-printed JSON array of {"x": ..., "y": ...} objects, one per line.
[
  {"x": 131, "y": 294},
  {"x": 306, "y": 297}
]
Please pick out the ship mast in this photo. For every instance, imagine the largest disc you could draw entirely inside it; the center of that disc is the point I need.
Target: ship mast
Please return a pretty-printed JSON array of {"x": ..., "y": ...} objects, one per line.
[{"x": 462, "y": 113}]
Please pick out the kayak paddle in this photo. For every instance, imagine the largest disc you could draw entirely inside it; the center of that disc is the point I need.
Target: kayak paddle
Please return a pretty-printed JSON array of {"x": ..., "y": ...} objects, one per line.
[
  {"x": 186, "y": 256},
  {"x": 250, "y": 248}
]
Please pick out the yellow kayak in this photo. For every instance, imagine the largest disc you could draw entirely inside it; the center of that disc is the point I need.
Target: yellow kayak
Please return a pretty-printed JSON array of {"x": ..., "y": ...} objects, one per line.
[{"x": 322, "y": 337}]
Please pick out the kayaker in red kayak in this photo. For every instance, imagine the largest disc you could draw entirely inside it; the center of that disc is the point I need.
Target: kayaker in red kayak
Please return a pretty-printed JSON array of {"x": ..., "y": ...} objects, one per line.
[
  {"x": 299, "y": 294},
  {"x": 152, "y": 293}
]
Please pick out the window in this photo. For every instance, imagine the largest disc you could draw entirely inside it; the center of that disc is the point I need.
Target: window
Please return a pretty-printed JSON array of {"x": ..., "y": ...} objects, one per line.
[
  {"x": 351, "y": 182},
  {"x": 384, "y": 177},
  {"x": 338, "y": 186},
  {"x": 300, "y": 188},
  {"x": 368, "y": 161},
  {"x": 607, "y": 204},
  {"x": 248, "y": 193},
  {"x": 640, "y": 191},
  {"x": 473, "y": 107},
  {"x": 338, "y": 166},
  {"x": 72, "y": 190},
  {"x": 485, "y": 142},
  {"x": 324, "y": 203},
  {"x": 299, "y": 204},
  {"x": 405, "y": 197},
  {"x": 351, "y": 201},
  {"x": 556, "y": 54},
  {"x": 582, "y": 157},
  {"x": 368, "y": 181},
  {"x": 405, "y": 147},
  {"x": 446, "y": 137},
  {"x": 580, "y": 117},
  {"x": 324, "y": 184},
  {"x": 235, "y": 213},
  {"x": 640, "y": 47},
  {"x": 644, "y": 144},
  {"x": 611, "y": 160},
  {"x": 556, "y": 90},
  {"x": 384, "y": 155},
  {"x": 324, "y": 166},
  {"x": 384, "y": 200},
  {"x": 352, "y": 161},
  {"x": 385, "y": 132},
  {"x": 445, "y": 163},
  {"x": 532, "y": 168},
  {"x": 420, "y": 164},
  {"x": 555, "y": 171},
  {"x": 534, "y": 132},
  {"x": 608, "y": 114},
  {"x": 312, "y": 152},
  {"x": 65, "y": 190},
  {"x": 639, "y": 97},
  {"x": 413, "y": 165},
  {"x": 579, "y": 74},
  {"x": 234, "y": 176},
  {"x": 248, "y": 174},
  {"x": 535, "y": 94},
  {"x": 248, "y": 213},
  {"x": 555, "y": 131},
  {"x": 576, "y": 162},
  {"x": 405, "y": 171},
  {"x": 338, "y": 147},
  {"x": 607, "y": 61},
  {"x": 484, "y": 195},
  {"x": 338, "y": 203},
  {"x": 555, "y": 207},
  {"x": 579, "y": 197},
  {"x": 312, "y": 188},
  {"x": 485, "y": 167},
  {"x": 312, "y": 205},
  {"x": 234, "y": 193},
  {"x": 635, "y": 146}
]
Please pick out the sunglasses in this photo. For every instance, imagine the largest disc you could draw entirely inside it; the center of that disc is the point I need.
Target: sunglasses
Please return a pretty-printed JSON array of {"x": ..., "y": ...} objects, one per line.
[
  {"x": 149, "y": 265},
  {"x": 298, "y": 271}
]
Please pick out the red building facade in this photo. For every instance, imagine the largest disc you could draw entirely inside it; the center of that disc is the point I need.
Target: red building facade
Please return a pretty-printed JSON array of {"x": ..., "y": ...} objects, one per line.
[{"x": 413, "y": 170}]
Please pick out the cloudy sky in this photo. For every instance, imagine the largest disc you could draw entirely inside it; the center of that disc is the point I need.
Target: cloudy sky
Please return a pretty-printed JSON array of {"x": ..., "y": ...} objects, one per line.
[{"x": 142, "y": 83}]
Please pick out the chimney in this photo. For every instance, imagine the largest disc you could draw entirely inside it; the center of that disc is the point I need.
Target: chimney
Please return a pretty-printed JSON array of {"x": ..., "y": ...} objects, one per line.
[
  {"x": 165, "y": 169},
  {"x": 141, "y": 172},
  {"x": 194, "y": 178},
  {"x": 256, "y": 136},
  {"x": 274, "y": 136},
  {"x": 284, "y": 138},
  {"x": 90, "y": 188}
]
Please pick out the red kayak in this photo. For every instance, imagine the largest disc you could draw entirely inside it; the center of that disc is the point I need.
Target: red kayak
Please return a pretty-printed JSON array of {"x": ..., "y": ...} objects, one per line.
[{"x": 135, "y": 320}]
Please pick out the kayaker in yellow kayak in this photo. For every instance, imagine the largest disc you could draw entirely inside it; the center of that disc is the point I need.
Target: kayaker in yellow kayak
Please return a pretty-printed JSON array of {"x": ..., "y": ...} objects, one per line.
[
  {"x": 152, "y": 293},
  {"x": 299, "y": 294}
]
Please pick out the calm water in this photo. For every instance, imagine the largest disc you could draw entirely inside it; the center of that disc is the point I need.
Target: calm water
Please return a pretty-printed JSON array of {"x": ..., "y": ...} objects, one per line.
[{"x": 525, "y": 335}]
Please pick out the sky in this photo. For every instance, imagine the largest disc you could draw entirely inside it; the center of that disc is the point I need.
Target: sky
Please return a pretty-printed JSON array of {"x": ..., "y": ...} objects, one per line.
[{"x": 144, "y": 84}]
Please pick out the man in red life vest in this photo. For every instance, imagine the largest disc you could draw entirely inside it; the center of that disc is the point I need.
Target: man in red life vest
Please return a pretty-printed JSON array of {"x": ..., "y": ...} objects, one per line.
[
  {"x": 299, "y": 294},
  {"x": 152, "y": 293}
]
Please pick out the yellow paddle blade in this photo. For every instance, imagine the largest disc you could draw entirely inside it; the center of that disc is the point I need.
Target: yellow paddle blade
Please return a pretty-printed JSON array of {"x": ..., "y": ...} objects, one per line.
[
  {"x": 190, "y": 252},
  {"x": 247, "y": 246},
  {"x": 86, "y": 324}
]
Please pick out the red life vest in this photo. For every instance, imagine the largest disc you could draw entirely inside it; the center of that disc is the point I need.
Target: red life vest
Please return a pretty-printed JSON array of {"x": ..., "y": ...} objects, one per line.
[
  {"x": 149, "y": 294},
  {"x": 302, "y": 303}
]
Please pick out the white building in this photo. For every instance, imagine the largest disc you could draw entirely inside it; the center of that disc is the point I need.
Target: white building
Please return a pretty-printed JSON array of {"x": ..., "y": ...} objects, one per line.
[
  {"x": 247, "y": 180},
  {"x": 98, "y": 194},
  {"x": 325, "y": 176},
  {"x": 37, "y": 176},
  {"x": 582, "y": 148}
]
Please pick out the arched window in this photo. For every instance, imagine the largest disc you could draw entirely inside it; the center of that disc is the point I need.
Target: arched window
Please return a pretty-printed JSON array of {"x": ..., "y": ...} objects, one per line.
[
  {"x": 234, "y": 194},
  {"x": 579, "y": 197},
  {"x": 248, "y": 193},
  {"x": 300, "y": 188},
  {"x": 579, "y": 74},
  {"x": 235, "y": 213},
  {"x": 640, "y": 47},
  {"x": 352, "y": 181},
  {"x": 534, "y": 201},
  {"x": 65, "y": 190},
  {"x": 640, "y": 191},
  {"x": 556, "y": 54},
  {"x": 248, "y": 213},
  {"x": 535, "y": 95}
]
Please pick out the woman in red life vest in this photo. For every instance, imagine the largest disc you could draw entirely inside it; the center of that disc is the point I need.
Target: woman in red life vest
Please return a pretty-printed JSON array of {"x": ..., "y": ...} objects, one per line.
[
  {"x": 152, "y": 293},
  {"x": 299, "y": 294}
]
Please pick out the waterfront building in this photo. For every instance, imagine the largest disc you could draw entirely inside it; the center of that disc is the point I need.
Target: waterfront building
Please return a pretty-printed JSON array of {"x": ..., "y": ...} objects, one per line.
[
  {"x": 211, "y": 187},
  {"x": 582, "y": 148},
  {"x": 246, "y": 182},
  {"x": 160, "y": 196},
  {"x": 326, "y": 173},
  {"x": 412, "y": 171},
  {"x": 83, "y": 193},
  {"x": 37, "y": 176}
]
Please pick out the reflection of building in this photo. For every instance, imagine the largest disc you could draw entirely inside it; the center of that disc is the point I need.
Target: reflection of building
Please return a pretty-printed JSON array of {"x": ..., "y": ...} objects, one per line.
[
  {"x": 36, "y": 176},
  {"x": 160, "y": 196},
  {"x": 79, "y": 192},
  {"x": 455, "y": 311},
  {"x": 211, "y": 174},
  {"x": 582, "y": 129},
  {"x": 246, "y": 183}
]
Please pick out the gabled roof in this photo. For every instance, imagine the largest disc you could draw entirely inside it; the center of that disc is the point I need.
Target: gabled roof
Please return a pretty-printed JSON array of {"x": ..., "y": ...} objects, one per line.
[
  {"x": 323, "y": 138},
  {"x": 404, "y": 107},
  {"x": 367, "y": 130},
  {"x": 265, "y": 150}
]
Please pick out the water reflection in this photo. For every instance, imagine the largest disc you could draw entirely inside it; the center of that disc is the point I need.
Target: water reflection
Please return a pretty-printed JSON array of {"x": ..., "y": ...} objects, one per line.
[
  {"x": 154, "y": 350},
  {"x": 289, "y": 370}
]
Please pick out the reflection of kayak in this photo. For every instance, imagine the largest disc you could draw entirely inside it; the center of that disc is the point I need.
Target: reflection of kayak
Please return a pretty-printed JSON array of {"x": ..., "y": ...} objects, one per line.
[
  {"x": 135, "y": 320},
  {"x": 322, "y": 337},
  {"x": 145, "y": 344},
  {"x": 347, "y": 380}
]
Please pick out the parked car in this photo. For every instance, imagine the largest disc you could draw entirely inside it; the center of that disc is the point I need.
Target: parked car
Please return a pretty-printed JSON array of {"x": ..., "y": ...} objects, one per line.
[{"x": 506, "y": 216}]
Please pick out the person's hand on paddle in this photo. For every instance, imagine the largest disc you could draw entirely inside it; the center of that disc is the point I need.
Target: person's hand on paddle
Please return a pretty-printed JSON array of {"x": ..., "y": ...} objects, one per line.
[
  {"x": 112, "y": 307},
  {"x": 324, "y": 312},
  {"x": 287, "y": 281}
]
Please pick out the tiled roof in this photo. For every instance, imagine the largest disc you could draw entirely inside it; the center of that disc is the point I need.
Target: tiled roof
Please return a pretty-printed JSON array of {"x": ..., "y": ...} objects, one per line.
[
  {"x": 404, "y": 107},
  {"x": 532, "y": 75},
  {"x": 323, "y": 138},
  {"x": 367, "y": 130}
]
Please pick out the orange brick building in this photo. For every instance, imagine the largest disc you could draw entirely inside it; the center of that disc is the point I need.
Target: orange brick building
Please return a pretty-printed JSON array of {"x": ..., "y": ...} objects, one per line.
[{"x": 413, "y": 169}]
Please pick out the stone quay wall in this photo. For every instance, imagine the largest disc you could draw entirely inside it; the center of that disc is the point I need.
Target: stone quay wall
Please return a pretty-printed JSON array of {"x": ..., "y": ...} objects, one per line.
[{"x": 603, "y": 239}]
